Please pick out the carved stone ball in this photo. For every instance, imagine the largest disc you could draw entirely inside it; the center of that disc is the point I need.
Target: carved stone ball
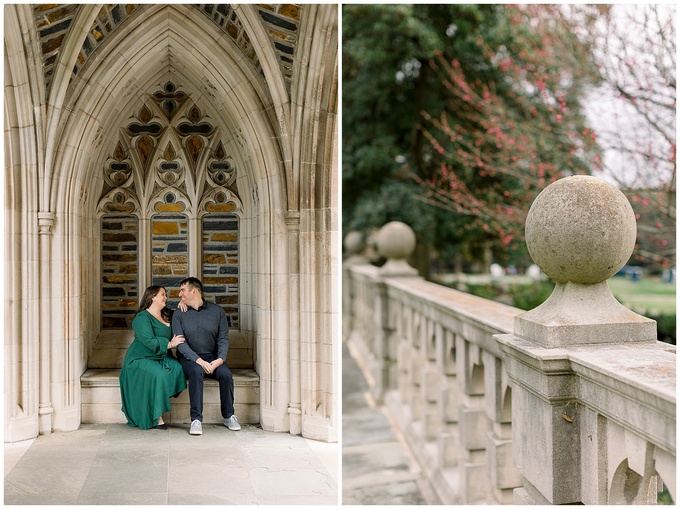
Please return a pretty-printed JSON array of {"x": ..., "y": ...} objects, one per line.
[
  {"x": 396, "y": 240},
  {"x": 354, "y": 242},
  {"x": 580, "y": 229}
]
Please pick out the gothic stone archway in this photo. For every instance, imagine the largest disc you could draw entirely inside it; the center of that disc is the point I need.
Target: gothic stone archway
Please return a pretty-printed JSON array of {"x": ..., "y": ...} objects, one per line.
[{"x": 90, "y": 139}]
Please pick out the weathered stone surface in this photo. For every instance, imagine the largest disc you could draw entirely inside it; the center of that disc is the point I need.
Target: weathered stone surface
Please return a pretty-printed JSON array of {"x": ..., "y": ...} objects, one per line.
[
  {"x": 583, "y": 314},
  {"x": 214, "y": 258},
  {"x": 593, "y": 409},
  {"x": 580, "y": 229},
  {"x": 165, "y": 228}
]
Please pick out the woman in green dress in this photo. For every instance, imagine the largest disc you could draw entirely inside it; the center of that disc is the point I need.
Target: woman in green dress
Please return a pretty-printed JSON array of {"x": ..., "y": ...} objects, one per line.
[{"x": 150, "y": 374}]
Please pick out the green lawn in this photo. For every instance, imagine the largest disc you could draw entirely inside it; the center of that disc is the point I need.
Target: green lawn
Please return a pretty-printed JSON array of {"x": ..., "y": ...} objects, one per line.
[{"x": 647, "y": 295}]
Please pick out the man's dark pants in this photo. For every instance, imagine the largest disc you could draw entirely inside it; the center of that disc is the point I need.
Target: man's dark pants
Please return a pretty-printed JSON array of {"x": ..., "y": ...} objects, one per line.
[{"x": 194, "y": 372}]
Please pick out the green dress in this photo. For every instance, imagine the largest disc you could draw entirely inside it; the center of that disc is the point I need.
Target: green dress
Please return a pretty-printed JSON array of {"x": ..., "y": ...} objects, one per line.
[{"x": 150, "y": 375}]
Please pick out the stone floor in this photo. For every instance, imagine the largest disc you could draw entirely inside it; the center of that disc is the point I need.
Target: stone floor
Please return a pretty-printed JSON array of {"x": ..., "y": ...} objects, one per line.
[
  {"x": 115, "y": 464},
  {"x": 377, "y": 465}
]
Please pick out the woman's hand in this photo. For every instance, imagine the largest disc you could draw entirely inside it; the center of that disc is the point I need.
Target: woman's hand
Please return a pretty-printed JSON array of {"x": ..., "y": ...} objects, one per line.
[
  {"x": 182, "y": 307},
  {"x": 176, "y": 340}
]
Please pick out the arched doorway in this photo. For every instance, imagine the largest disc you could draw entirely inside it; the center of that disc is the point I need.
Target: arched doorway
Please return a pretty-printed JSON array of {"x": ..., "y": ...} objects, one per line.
[{"x": 189, "y": 138}]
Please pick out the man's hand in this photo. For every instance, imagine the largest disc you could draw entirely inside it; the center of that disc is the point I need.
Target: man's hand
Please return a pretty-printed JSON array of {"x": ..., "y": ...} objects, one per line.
[
  {"x": 207, "y": 367},
  {"x": 216, "y": 364}
]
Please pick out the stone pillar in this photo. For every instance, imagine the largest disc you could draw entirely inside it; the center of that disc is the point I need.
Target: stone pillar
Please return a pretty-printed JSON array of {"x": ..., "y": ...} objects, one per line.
[
  {"x": 144, "y": 256},
  {"x": 580, "y": 231},
  {"x": 195, "y": 234},
  {"x": 295, "y": 404},
  {"x": 45, "y": 407},
  {"x": 395, "y": 241}
]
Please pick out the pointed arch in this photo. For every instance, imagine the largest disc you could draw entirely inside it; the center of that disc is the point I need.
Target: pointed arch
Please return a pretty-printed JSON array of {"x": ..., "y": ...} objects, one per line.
[{"x": 66, "y": 190}]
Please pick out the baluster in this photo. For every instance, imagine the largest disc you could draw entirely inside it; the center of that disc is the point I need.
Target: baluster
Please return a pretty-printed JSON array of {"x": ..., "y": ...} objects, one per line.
[
  {"x": 502, "y": 473},
  {"x": 431, "y": 380},
  {"x": 473, "y": 424},
  {"x": 450, "y": 401}
]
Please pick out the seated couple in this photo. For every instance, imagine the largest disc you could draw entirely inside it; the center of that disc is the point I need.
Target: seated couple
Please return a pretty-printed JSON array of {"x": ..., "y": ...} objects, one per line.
[{"x": 151, "y": 375}]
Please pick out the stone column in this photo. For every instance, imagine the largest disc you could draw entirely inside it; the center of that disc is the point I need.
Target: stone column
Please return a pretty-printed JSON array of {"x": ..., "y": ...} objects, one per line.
[
  {"x": 195, "y": 243},
  {"x": 580, "y": 231},
  {"x": 45, "y": 407},
  {"x": 295, "y": 403}
]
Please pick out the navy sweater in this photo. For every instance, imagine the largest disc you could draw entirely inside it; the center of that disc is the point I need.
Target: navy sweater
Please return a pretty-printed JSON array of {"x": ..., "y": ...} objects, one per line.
[{"x": 205, "y": 330}]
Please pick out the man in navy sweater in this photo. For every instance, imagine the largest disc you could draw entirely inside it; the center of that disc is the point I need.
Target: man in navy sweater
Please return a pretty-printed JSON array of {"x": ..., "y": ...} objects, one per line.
[{"x": 204, "y": 352}]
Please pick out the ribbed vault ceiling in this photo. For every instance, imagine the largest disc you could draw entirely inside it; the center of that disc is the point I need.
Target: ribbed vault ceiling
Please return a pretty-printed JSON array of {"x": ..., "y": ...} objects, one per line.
[{"x": 54, "y": 23}]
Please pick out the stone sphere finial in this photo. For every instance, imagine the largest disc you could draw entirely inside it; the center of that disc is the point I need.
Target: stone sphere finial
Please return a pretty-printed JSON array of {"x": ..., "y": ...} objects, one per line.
[
  {"x": 396, "y": 241},
  {"x": 580, "y": 229},
  {"x": 354, "y": 246},
  {"x": 354, "y": 243}
]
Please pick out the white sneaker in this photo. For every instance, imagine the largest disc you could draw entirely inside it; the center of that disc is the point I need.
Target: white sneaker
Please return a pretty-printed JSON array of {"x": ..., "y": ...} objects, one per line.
[
  {"x": 196, "y": 427},
  {"x": 232, "y": 423}
]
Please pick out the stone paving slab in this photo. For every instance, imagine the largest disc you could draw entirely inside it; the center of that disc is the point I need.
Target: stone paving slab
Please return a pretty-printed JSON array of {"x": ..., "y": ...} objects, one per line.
[
  {"x": 376, "y": 466},
  {"x": 115, "y": 464}
]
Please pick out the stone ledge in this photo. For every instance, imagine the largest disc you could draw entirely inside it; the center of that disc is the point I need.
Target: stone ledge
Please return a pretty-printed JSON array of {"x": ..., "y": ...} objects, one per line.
[
  {"x": 101, "y": 398},
  {"x": 110, "y": 378}
]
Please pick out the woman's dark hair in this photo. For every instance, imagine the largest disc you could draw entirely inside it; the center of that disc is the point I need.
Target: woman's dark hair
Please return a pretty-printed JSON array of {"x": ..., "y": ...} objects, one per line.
[{"x": 147, "y": 299}]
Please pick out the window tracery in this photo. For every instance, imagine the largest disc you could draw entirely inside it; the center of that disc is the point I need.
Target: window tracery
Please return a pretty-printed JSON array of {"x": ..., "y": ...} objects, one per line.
[{"x": 169, "y": 167}]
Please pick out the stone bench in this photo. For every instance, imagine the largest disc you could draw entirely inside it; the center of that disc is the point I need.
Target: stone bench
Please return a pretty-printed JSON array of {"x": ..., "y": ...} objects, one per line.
[
  {"x": 101, "y": 402},
  {"x": 101, "y": 389}
]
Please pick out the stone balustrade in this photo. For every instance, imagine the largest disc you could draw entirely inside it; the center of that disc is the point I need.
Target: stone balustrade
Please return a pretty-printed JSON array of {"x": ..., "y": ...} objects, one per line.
[{"x": 572, "y": 402}]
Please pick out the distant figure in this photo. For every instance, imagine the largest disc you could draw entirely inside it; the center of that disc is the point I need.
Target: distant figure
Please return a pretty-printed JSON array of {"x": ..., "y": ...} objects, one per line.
[
  {"x": 150, "y": 374},
  {"x": 668, "y": 275},
  {"x": 205, "y": 327},
  {"x": 635, "y": 274}
]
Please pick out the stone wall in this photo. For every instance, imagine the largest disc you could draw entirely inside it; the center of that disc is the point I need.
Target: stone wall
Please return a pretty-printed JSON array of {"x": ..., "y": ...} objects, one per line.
[
  {"x": 170, "y": 257},
  {"x": 169, "y": 263},
  {"x": 120, "y": 270},
  {"x": 221, "y": 263}
]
